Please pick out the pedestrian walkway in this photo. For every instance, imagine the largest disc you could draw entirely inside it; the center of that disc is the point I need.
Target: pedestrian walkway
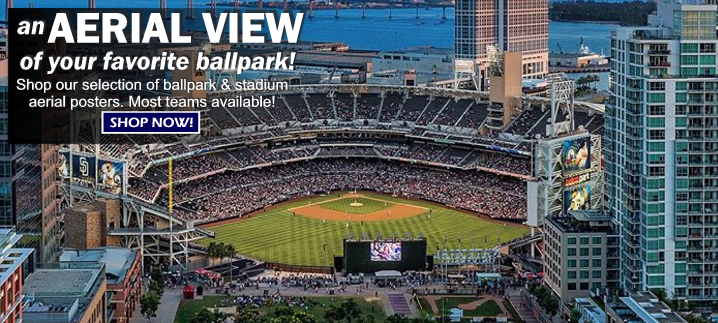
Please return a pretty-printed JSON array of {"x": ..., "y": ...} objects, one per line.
[
  {"x": 398, "y": 304},
  {"x": 526, "y": 314},
  {"x": 167, "y": 310}
]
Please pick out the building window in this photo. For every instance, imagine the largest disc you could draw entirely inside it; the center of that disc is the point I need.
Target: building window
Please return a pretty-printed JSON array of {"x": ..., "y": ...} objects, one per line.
[{"x": 596, "y": 240}]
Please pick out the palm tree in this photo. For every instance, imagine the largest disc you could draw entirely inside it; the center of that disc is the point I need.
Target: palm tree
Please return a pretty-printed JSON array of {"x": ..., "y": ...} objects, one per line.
[
  {"x": 229, "y": 252},
  {"x": 213, "y": 250}
]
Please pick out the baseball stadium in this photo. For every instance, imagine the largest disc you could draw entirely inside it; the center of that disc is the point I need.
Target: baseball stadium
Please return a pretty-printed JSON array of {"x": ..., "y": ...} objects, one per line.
[
  {"x": 407, "y": 185},
  {"x": 287, "y": 185}
]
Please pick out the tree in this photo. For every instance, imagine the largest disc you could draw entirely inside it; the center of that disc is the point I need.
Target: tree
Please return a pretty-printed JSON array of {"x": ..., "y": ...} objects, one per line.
[
  {"x": 149, "y": 304},
  {"x": 283, "y": 311},
  {"x": 229, "y": 252},
  {"x": 574, "y": 316},
  {"x": 397, "y": 319},
  {"x": 334, "y": 314},
  {"x": 660, "y": 293},
  {"x": 305, "y": 317},
  {"x": 206, "y": 316},
  {"x": 158, "y": 275},
  {"x": 350, "y": 309},
  {"x": 214, "y": 250},
  {"x": 696, "y": 319},
  {"x": 248, "y": 314},
  {"x": 156, "y": 287}
]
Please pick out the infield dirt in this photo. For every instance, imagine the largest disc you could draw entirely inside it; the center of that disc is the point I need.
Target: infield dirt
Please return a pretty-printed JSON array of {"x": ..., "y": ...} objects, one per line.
[{"x": 394, "y": 212}]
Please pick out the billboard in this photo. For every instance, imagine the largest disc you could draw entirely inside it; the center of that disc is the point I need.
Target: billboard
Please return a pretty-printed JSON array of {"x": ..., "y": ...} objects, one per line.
[
  {"x": 110, "y": 176},
  {"x": 385, "y": 251},
  {"x": 577, "y": 198},
  {"x": 576, "y": 155}
]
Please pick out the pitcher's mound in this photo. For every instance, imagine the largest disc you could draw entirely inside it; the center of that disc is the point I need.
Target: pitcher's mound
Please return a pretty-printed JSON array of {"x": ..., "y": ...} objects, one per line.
[{"x": 356, "y": 204}]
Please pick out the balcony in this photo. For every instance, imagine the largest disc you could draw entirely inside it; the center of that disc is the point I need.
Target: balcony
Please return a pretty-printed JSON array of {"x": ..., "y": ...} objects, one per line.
[
  {"x": 659, "y": 52},
  {"x": 659, "y": 64}
]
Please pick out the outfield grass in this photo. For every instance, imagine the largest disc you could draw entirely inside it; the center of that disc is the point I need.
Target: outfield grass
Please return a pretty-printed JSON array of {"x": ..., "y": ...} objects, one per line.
[
  {"x": 279, "y": 236},
  {"x": 343, "y": 205}
]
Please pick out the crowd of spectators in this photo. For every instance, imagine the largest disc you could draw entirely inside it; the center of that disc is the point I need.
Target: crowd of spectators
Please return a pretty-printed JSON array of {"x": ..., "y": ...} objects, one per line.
[{"x": 238, "y": 193}]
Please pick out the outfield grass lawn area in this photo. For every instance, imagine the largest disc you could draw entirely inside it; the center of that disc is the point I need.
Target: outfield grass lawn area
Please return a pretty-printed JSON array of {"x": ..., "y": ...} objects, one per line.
[
  {"x": 188, "y": 307},
  {"x": 488, "y": 308},
  {"x": 344, "y": 205},
  {"x": 278, "y": 235}
]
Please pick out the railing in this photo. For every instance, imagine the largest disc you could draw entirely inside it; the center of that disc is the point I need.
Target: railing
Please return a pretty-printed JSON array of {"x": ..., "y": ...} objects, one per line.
[{"x": 299, "y": 268}]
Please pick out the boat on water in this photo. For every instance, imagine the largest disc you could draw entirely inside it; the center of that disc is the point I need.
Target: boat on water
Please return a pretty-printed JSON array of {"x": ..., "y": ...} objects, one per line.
[{"x": 577, "y": 62}]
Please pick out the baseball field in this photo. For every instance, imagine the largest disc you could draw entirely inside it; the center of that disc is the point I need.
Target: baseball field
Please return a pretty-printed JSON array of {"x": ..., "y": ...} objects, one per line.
[{"x": 309, "y": 231}]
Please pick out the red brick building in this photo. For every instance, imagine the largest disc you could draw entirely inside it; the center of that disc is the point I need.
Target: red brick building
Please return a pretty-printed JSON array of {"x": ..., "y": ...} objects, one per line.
[
  {"x": 12, "y": 262},
  {"x": 122, "y": 271}
]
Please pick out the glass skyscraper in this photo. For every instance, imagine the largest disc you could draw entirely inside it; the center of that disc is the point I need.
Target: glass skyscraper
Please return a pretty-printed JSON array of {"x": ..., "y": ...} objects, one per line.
[{"x": 662, "y": 151}]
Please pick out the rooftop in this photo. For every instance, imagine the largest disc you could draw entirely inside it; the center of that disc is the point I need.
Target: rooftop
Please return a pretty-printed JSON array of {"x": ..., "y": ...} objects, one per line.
[
  {"x": 117, "y": 260},
  {"x": 11, "y": 258},
  {"x": 427, "y": 50},
  {"x": 61, "y": 282},
  {"x": 646, "y": 307},
  {"x": 591, "y": 309},
  {"x": 583, "y": 221}
]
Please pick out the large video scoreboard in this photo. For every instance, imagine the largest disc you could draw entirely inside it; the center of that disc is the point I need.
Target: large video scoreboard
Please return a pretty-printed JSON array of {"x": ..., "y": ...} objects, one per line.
[{"x": 368, "y": 256}]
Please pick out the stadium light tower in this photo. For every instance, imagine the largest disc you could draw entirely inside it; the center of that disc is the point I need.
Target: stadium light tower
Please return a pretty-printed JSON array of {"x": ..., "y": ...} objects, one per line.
[
  {"x": 163, "y": 7},
  {"x": 190, "y": 9}
]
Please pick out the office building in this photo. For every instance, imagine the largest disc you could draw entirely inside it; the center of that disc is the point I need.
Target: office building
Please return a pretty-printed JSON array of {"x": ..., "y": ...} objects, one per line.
[
  {"x": 122, "y": 272},
  {"x": 68, "y": 294},
  {"x": 660, "y": 142},
  {"x": 15, "y": 263},
  {"x": 510, "y": 25},
  {"x": 6, "y": 210},
  {"x": 581, "y": 254}
]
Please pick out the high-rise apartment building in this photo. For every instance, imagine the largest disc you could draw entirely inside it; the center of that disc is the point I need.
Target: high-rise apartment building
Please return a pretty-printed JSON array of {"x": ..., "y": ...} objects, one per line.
[
  {"x": 510, "y": 25},
  {"x": 661, "y": 142},
  {"x": 6, "y": 212}
]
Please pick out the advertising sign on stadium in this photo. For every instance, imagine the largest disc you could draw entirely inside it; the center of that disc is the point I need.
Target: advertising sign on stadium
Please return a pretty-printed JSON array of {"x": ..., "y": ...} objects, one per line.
[
  {"x": 576, "y": 155},
  {"x": 577, "y": 198},
  {"x": 576, "y": 180},
  {"x": 110, "y": 176},
  {"x": 464, "y": 66},
  {"x": 83, "y": 167}
]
